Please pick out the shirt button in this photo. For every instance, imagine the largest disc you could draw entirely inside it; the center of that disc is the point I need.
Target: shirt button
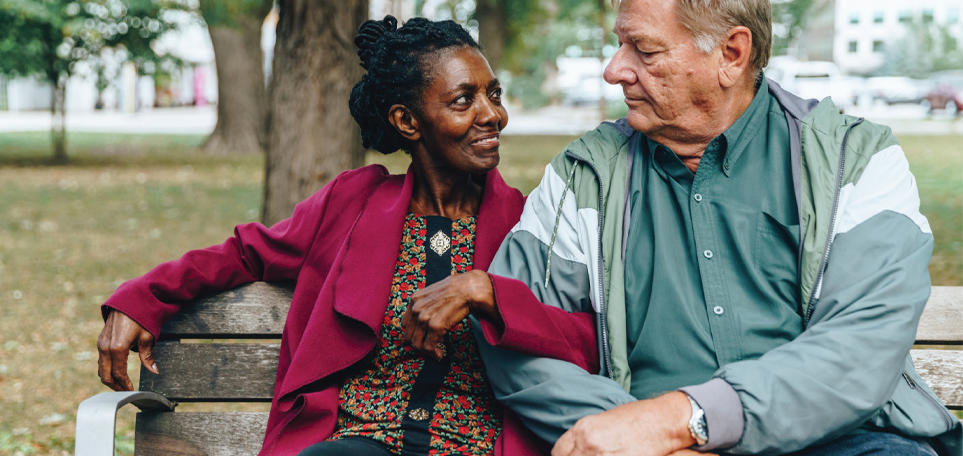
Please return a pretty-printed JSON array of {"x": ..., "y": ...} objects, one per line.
[
  {"x": 707, "y": 253},
  {"x": 726, "y": 165},
  {"x": 697, "y": 197},
  {"x": 718, "y": 310}
]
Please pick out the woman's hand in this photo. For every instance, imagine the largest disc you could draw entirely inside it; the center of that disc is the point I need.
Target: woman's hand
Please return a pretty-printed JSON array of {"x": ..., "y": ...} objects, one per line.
[
  {"x": 436, "y": 309},
  {"x": 120, "y": 335}
]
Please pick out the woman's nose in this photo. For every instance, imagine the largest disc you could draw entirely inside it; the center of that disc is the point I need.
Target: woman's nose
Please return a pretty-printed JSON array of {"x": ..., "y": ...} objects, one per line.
[{"x": 487, "y": 114}]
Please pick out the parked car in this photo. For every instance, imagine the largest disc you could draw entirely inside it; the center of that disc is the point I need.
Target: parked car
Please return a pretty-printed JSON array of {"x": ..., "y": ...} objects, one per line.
[
  {"x": 946, "y": 94},
  {"x": 815, "y": 79},
  {"x": 589, "y": 90},
  {"x": 896, "y": 89}
]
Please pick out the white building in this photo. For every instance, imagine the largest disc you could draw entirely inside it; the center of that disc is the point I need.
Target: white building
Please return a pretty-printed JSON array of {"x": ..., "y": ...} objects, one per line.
[{"x": 863, "y": 28}]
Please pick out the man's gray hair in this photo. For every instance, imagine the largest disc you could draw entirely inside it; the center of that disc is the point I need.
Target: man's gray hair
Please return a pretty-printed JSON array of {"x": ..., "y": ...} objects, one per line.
[{"x": 710, "y": 20}]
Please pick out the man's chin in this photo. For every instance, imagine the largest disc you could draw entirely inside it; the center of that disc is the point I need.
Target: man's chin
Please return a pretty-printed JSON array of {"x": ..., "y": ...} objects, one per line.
[{"x": 640, "y": 122}]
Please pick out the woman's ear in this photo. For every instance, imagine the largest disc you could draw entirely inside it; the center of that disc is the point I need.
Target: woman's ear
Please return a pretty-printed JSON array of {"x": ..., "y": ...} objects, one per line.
[{"x": 405, "y": 122}]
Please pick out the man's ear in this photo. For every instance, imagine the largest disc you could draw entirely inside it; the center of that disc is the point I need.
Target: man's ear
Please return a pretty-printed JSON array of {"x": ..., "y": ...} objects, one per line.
[
  {"x": 405, "y": 122},
  {"x": 736, "y": 51}
]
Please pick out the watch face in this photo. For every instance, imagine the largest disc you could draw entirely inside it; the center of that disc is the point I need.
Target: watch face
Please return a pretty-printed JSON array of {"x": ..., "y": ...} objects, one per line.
[
  {"x": 700, "y": 430},
  {"x": 697, "y": 424}
]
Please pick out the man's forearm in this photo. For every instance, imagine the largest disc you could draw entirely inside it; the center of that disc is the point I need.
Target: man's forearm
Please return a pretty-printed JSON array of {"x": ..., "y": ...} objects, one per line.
[{"x": 549, "y": 395}]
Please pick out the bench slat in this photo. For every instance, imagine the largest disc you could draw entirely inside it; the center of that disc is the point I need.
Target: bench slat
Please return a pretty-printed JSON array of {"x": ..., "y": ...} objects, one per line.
[
  {"x": 199, "y": 434},
  {"x": 253, "y": 311},
  {"x": 213, "y": 372},
  {"x": 942, "y": 320},
  {"x": 943, "y": 372}
]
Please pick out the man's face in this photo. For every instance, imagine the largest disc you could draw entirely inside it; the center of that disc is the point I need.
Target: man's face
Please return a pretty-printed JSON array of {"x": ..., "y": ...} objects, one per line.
[{"x": 669, "y": 84}]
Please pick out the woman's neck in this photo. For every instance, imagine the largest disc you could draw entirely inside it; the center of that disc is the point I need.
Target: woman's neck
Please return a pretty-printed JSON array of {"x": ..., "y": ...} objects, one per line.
[{"x": 444, "y": 192}]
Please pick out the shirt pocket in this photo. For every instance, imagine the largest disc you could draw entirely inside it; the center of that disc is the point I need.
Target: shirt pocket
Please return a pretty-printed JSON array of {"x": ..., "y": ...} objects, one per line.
[{"x": 774, "y": 255}]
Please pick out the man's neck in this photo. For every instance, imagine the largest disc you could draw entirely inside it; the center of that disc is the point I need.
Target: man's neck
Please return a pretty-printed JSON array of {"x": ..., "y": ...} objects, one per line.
[{"x": 690, "y": 147}]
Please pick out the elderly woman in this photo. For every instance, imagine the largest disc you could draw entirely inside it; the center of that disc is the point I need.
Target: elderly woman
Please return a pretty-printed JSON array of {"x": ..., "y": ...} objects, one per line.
[{"x": 357, "y": 374}]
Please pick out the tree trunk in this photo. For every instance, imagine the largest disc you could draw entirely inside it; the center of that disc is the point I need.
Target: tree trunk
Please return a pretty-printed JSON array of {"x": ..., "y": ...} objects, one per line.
[
  {"x": 311, "y": 134},
  {"x": 241, "y": 99},
  {"x": 492, "y": 28},
  {"x": 58, "y": 120}
]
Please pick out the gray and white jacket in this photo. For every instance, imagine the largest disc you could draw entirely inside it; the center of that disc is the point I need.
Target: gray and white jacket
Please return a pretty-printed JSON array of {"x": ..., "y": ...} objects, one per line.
[{"x": 864, "y": 254}]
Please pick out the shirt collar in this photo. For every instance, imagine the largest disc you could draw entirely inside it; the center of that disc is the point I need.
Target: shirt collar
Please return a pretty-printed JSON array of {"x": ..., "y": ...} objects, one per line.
[
  {"x": 732, "y": 142},
  {"x": 741, "y": 132}
]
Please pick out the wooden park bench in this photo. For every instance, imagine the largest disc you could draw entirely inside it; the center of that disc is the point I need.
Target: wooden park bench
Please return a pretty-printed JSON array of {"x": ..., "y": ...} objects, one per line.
[{"x": 245, "y": 372}]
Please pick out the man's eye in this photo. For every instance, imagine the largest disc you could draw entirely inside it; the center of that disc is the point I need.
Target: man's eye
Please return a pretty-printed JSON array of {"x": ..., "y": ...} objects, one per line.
[
  {"x": 496, "y": 94},
  {"x": 464, "y": 99},
  {"x": 645, "y": 54}
]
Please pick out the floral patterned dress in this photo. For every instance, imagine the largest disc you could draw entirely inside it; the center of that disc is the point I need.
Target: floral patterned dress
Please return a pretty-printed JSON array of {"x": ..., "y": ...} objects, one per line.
[{"x": 465, "y": 418}]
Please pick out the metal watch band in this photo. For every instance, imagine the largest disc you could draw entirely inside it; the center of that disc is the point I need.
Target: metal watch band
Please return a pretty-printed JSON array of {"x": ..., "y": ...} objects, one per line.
[{"x": 697, "y": 423}]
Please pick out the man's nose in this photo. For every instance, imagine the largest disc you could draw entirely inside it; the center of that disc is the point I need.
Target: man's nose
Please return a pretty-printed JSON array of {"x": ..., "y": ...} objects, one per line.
[{"x": 616, "y": 72}]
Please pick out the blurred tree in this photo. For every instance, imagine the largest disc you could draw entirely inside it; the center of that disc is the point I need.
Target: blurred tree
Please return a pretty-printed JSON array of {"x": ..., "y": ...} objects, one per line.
[
  {"x": 789, "y": 20},
  {"x": 924, "y": 48},
  {"x": 540, "y": 32},
  {"x": 235, "y": 28},
  {"x": 492, "y": 30},
  {"x": 58, "y": 38},
  {"x": 311, "y": 134}
]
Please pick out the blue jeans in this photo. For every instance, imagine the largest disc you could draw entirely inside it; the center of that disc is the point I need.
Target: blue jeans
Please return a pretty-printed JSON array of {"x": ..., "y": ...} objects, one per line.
[{"x": 869, "y": 444}]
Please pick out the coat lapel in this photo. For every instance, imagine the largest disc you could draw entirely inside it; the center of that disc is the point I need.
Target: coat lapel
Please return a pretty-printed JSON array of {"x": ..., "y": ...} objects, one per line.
[
  {"x": 500, "y": 209},
  {"x": 364, "y": 276}
]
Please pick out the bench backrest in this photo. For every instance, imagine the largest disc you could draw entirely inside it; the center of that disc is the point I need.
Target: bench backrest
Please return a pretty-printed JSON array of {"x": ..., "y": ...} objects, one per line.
[
  {"x": 239, "y": 366},
  {"x": 938, "y": 355},
  {"x": 245, "y": 372}
]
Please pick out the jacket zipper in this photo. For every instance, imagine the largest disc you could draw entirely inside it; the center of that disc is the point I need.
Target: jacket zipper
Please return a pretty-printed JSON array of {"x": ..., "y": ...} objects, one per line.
[
  {"x": 604, "y": 326},
  {"x": 947, "y": 421},
  {"x": 832, "y": 223}
]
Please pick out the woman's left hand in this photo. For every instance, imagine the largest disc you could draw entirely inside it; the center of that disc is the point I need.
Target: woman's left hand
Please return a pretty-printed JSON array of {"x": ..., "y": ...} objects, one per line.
[{"x": 436, "y": 309}]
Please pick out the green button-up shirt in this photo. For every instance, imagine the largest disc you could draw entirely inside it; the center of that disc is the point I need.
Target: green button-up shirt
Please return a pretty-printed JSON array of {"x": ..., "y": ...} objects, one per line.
[{"x": 711, "y": 258}]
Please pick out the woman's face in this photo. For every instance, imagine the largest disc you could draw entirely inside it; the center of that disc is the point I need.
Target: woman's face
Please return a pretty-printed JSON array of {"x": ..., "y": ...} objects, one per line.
[{"x": 462, "y": 112}]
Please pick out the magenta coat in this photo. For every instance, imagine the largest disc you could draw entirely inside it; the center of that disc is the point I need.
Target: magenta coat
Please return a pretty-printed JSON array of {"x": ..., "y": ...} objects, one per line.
[{"x": 340, "y": 246}]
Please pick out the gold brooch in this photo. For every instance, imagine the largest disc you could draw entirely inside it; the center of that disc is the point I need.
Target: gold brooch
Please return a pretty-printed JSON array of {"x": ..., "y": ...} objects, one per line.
[
  {"x": 419, "y": 414},
  {"x": 440, "y": 243}
]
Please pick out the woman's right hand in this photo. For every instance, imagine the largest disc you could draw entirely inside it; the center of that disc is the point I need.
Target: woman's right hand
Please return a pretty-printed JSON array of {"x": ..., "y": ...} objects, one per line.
[
  {"x": 435, "y": 309},
  {"x": 120, "y": 335}
]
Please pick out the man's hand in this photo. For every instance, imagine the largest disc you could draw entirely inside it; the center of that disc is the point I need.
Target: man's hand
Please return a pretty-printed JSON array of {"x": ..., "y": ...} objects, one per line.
[
  {"x": 436, "y": 309},
  {"x": 653, "y": 427},
  {"x": 120, "y": 335}
]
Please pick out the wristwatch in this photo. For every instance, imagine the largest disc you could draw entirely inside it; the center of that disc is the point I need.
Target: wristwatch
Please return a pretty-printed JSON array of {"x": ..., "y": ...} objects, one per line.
[{"x": 697, "y": 424}]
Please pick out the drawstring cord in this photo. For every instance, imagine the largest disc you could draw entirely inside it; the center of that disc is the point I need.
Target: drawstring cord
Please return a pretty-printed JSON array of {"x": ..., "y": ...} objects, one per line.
[{"x": 558, "y": 216}]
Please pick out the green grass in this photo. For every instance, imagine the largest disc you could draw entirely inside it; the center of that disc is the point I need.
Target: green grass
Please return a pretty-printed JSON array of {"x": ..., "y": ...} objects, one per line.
[{"x": 70, "y": 234}]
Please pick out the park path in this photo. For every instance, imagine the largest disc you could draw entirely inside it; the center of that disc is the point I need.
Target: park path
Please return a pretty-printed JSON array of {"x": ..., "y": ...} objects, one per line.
[{"x": 553, "y": 120}]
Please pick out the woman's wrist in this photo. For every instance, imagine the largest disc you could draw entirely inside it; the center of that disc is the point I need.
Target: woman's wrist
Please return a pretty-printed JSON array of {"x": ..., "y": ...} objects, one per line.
[{"x": 481, "y": 301}]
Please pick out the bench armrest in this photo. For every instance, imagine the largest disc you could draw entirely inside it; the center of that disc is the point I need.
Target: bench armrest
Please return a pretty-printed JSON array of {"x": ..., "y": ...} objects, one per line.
[{"x": 97, "y": 419}]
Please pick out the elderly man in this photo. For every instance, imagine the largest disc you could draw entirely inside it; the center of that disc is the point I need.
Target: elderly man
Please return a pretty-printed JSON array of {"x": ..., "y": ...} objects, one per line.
[{"x": 757, "y": 262}]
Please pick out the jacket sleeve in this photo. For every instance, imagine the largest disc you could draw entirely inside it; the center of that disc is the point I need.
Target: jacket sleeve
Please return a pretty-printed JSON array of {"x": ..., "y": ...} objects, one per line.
[
  {"x": 255, "y": 253},
  {"x": 536, "y": 329},
  {"x": 549, "y": 395},
  {"x": 847, "y": 362}
]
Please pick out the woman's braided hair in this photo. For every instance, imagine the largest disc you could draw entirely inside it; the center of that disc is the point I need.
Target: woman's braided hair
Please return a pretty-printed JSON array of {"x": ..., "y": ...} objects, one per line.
[{"x": 398, "y": 72}]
